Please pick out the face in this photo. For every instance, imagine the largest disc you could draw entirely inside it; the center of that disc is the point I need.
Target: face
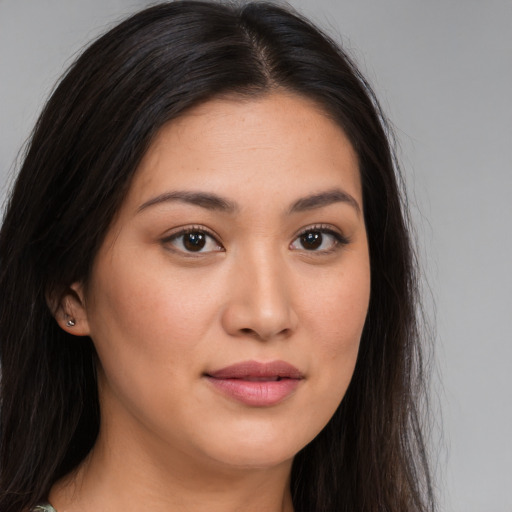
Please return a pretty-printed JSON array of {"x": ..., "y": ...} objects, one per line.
[{"x": 227, "y": 301}]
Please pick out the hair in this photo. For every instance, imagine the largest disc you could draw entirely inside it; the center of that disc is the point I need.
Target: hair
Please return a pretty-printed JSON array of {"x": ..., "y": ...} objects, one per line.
[{"x": 87, "y": 144}]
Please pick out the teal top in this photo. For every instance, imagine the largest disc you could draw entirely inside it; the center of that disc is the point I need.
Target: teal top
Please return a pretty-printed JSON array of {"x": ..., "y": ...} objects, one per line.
[{"x": 44, "y": 507}]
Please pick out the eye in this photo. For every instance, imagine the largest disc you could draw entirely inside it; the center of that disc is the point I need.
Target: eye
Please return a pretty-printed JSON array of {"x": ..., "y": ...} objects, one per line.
[
  {"x": 319, "y": 239},
  {"x": 193, "y": 240}
]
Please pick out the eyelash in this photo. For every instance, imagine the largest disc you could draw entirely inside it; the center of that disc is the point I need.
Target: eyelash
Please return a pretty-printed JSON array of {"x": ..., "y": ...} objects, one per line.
[
  {"x": 189, "y": 230},
  {"x": 339, "y": 239}
]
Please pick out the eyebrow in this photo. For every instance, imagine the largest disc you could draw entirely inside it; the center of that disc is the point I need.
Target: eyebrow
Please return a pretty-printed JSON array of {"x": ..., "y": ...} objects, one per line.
[
  {"x": 202, "y": 199},
  {"x": 324, "y": 199},
  {"x": 214, "y": 202}
]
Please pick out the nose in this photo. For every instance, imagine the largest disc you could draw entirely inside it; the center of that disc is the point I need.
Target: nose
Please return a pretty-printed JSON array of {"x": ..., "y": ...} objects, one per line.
[{"x": 259, "y": 302}]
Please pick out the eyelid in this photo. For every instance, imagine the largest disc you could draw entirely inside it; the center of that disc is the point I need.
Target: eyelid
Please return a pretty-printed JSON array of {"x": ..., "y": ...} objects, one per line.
[
  {"x": 183, "y": 230},
  {"x": 340, "y": 238}
]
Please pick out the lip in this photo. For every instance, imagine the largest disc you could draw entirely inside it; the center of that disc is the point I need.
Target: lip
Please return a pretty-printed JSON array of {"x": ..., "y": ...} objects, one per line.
[{"x": 257, "y": 384}]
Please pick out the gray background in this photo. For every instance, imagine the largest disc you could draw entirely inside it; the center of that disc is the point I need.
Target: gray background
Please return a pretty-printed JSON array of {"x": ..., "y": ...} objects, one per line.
[{"x": 443, "y": 71}]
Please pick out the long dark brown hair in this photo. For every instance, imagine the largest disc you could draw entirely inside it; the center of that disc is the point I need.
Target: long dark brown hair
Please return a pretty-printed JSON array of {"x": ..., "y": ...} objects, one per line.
[{"x": 85, "y": 149}]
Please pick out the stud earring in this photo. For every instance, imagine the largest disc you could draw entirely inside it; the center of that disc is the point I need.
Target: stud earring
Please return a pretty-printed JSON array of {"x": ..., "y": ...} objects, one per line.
[{"x": 71, "y": 322}]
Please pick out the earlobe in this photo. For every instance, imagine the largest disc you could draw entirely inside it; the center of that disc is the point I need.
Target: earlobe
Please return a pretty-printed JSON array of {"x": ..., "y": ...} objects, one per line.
[{"x": 70, "y": 311}]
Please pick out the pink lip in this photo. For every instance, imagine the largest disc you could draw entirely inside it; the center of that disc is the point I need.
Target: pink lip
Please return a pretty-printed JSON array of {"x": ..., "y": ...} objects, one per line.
[{"x": 238, "y": 382}]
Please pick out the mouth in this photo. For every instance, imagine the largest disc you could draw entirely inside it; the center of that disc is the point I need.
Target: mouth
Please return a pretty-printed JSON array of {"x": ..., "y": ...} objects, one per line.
[
  {"x": 256, "y": 384},
  {"x": 261, "y": 379}
]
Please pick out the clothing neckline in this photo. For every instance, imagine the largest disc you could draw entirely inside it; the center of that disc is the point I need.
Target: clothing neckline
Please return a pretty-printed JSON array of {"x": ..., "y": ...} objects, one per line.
[{"x": 43, "y": 507}]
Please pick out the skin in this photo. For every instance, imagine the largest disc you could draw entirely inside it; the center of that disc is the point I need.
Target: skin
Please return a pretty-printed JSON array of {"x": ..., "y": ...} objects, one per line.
[{"x": 161, "y": 316}]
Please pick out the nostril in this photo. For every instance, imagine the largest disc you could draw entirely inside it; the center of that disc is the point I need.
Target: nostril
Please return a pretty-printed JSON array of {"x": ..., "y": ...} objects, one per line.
[
  {"x": 255, "y": 333},
  {"x": 247, "y": 331}
]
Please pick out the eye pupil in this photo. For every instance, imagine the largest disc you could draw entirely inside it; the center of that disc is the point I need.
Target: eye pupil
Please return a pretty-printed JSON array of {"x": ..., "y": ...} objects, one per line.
[
  {"x": 311, "y": 240},
  {"x": 194, "y": 241}
]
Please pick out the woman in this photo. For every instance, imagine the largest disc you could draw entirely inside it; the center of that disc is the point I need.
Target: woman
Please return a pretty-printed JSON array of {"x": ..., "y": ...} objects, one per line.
[{"x": 208, "y": 289}]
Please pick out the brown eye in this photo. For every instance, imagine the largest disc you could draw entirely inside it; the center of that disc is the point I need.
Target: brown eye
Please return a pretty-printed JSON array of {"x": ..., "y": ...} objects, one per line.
[
  {"x": 321, "y": 240},
  {"x": 193, "y": 240},
  {"x": 311, "y": 240}
]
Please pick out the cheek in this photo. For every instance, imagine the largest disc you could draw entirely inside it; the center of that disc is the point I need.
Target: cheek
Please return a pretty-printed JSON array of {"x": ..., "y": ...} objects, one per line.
[
  {"x": 337, "y": 313},
  {"x": 148, "y": 311},
  {"x": 147, "y": 326},
  {"x": 338, "y": 305}
]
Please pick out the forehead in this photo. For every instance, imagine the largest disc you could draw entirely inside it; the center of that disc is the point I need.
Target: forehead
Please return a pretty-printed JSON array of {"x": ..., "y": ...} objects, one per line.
[{"x": 274, "y": 142}]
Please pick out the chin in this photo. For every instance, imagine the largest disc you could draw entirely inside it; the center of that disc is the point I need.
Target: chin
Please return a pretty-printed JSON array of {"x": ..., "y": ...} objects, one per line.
[
  {"x": 257, "y": 451},
  {"x": 255, "y": 459}
]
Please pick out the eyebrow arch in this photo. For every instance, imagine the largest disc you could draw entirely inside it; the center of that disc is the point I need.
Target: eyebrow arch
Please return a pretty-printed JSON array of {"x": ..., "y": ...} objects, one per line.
[
  {"x": 202, "y": 199},
  {"x": 214, "y": 202},
  {"x": 324, "y": 199}
]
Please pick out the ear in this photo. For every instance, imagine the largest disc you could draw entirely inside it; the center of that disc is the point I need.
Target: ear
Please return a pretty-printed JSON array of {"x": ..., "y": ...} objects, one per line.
[{"x": 70, "y": 310}]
